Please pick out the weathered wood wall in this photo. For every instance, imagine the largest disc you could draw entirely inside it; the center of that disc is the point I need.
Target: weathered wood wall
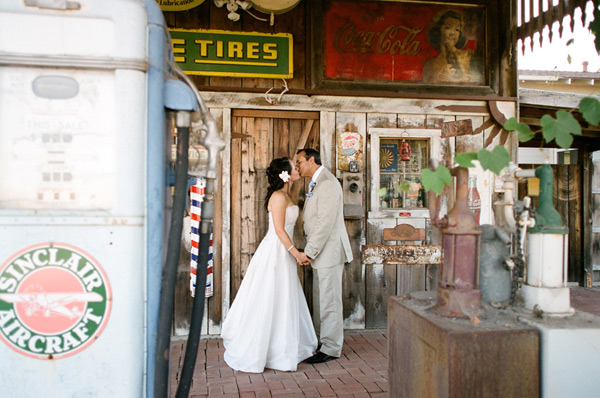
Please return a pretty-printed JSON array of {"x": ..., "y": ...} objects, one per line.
[{"x": 366, "y": 289}]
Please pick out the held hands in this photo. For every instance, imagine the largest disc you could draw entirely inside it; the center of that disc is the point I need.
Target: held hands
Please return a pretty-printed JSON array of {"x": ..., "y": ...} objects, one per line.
[{"x": 302, "y": 258}]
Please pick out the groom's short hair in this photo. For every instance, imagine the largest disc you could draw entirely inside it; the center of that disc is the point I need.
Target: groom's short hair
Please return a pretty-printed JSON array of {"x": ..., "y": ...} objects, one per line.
[{"x": 311, "y": 153}]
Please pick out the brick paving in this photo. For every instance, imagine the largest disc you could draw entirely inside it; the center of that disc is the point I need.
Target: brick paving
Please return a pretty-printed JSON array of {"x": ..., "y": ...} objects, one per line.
[{"x": 360, "y": 372}]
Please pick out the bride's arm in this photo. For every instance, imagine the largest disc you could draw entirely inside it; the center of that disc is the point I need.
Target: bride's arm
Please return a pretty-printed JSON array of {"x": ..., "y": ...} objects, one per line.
[{"x": 278, "y": 205}]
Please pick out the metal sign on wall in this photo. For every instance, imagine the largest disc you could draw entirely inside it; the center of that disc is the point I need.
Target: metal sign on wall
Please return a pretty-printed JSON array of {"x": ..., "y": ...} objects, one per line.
[
  {"x": 178, "y": 5},
  {"x": 235, "y": 54},
  {"x": 437, "y": 43}
]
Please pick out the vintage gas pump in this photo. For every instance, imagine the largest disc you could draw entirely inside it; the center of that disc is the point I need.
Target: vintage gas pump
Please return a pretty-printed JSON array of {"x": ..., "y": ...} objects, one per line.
[
  {"x": 85, "y": 88},
  {"x": 458, "y": 288},
  {"x": 546, "y": 278},
  {"x": 544, "y": 240},
  {"x": 568, "y": 339}
]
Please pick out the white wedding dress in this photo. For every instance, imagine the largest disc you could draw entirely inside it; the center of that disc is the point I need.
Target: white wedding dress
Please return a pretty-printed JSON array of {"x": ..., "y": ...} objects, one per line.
[{"x": 268, "y": 324}]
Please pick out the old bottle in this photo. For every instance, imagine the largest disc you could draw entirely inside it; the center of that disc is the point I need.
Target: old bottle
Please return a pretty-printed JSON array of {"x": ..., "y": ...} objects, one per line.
[
  {"x": 421, "y": 198},
  {"x": 473, "y": 200},
  {"x": 395, "y": 200}
]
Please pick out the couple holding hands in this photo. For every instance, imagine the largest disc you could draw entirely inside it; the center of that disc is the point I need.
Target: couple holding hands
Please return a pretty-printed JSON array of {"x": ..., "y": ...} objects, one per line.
[{"x": 269, "y": 324}]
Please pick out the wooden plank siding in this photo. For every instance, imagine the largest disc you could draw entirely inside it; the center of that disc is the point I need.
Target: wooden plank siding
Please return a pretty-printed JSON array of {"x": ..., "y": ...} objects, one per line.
[
  {"x": 274, "y": 133},
  {"x": 568, "y": 196},
  {"x": 353, "y": 287},
  {"x": 263, "y": 137},
  {"x": 257, "y": 131}
]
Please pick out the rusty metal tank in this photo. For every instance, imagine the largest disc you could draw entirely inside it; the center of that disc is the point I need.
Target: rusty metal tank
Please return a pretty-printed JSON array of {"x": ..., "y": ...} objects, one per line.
[{"x": 458, "y": 288}]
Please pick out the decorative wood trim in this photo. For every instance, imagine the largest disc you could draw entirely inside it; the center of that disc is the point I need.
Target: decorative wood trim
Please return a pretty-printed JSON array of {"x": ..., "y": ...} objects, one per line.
[
  {"x": 274, "y": 114},
  {"x": 293, "y": 102},
  {"x": 402, "y": 254},
  {"x": 403, "y": 232}
]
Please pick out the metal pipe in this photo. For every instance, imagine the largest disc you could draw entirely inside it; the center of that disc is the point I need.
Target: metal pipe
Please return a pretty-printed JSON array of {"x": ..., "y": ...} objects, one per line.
[
  {"x": 169, "y": 274},
  {"x": 156, "y": 181},
  {"x": 527, "y": 173},
  {"x": 213, "y": 142}
]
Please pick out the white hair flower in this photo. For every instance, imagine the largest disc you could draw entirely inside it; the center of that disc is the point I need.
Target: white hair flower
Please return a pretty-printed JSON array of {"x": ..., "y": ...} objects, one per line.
[{"x": 284, "y": 175}]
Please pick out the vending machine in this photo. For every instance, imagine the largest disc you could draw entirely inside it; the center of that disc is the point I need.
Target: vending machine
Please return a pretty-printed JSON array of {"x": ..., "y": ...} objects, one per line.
[{"x": 85, "y": 90}]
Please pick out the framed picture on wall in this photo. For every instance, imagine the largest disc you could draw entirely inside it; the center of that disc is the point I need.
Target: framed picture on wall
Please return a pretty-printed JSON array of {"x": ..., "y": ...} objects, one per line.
[{"x": 402, "y": 44}]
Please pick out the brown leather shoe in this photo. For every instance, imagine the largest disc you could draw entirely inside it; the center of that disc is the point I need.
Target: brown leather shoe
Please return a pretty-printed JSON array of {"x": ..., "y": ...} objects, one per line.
[{"x": 320, "y": 357}]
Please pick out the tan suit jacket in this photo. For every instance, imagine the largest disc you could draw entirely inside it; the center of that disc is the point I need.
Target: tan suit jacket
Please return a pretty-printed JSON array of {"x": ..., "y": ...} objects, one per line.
[{"x": 327, "y": 241}]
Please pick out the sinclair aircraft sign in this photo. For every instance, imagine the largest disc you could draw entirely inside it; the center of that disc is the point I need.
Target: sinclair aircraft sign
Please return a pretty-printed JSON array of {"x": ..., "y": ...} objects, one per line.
[{"x": 54, "y": 300}]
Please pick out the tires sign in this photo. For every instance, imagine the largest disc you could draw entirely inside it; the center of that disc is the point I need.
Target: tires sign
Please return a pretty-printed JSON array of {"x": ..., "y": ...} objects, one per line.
[{"x": 55, "y": 300}]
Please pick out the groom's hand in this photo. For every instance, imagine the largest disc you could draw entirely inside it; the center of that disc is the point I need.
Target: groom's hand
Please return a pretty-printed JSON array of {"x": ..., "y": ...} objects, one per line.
[{"x": 304, "y": 259}]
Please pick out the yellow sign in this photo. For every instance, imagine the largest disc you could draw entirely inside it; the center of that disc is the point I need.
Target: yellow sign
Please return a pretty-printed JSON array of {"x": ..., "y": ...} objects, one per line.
[
  {"x": 178, "y": 5},
  {"x": 232, "y": 53}
]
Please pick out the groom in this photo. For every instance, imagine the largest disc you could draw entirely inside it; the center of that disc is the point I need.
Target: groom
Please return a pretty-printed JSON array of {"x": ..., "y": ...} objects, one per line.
[{"x": 327, "y": 249}]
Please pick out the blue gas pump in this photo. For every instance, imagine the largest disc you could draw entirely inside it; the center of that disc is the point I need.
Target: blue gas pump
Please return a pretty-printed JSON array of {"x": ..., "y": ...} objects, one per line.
[{"x": 85, "y": 90}]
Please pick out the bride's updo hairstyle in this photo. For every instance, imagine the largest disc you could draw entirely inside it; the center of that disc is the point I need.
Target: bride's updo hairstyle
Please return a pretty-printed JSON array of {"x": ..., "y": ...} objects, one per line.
[{"x": 276, "y": 167}]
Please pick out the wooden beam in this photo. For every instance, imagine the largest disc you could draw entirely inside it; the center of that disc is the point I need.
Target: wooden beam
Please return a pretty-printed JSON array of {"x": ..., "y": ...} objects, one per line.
[
  {"x": 303, "y": 137},
  {"x": 275, "y": 114}
]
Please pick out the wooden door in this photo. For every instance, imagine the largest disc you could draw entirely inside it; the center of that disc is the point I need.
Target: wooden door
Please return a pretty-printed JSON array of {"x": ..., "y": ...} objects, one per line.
[{"x": 257, "y": 138}]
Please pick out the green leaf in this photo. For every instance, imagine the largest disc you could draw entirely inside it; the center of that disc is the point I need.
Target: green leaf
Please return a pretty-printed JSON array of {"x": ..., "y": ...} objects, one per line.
[
  {"x": 495, "y": 160},
  {"x": 590, "y": 110},
  {"x": 404, "y": 186},
  {"x": 381, "y": 192},
  {"x": 466, "y": 159},
  {"x": 436, "y": 180},
  {"x": 525, "y": 133},
  {"x": 561, "y": 128},
  {"x": 511, "y": 124}
]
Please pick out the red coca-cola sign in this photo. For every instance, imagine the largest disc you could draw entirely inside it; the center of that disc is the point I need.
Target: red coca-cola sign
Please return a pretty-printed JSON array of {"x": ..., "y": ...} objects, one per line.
[{"x": 389, "y": 40}]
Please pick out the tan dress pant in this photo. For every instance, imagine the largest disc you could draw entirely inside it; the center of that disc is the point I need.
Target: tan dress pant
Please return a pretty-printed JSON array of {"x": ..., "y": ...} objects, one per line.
[{"x": 328, "y": 308}]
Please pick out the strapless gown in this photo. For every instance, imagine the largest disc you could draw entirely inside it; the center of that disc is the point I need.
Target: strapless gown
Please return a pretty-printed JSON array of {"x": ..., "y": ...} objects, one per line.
[{"x": 269, "y": 324}]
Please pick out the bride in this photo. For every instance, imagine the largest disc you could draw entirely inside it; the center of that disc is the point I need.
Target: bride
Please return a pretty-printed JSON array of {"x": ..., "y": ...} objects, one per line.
[{"x": 268, "y": 324}]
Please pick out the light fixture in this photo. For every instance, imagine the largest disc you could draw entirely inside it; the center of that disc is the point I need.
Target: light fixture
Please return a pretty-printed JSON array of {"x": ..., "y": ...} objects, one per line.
[{"x": 232, "y": 7}]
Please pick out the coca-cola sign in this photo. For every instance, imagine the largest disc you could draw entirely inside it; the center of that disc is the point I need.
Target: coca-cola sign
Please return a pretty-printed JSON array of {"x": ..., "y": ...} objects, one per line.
[{"x": 403, "y": 41}]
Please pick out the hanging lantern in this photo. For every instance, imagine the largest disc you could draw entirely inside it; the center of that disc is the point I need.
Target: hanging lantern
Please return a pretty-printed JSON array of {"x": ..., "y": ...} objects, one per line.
[{"x": 405, "y": 151}]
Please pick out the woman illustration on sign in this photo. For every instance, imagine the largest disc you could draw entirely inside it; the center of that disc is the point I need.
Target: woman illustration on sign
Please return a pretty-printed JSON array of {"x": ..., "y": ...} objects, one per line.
[{"x": 453, "y": 64}]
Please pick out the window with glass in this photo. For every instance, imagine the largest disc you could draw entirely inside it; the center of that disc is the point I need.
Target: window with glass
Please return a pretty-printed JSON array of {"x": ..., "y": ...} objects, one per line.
[{"x": 401, "y": 160}]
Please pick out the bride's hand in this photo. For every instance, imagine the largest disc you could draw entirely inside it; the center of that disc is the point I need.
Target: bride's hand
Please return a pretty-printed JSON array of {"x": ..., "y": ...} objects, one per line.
[{"x": 302, "y": 258}]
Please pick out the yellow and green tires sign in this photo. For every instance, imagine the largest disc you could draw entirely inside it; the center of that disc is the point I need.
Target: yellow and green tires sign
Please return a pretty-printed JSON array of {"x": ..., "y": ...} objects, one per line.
[{"x": 235, "y": 54}]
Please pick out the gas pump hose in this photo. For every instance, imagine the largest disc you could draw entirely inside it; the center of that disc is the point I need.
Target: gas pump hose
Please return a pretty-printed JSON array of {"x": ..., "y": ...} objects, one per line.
[
  {"x": 214, "y": 143},
  {"x": 191, "y": 351},
  {"x": 169, "y": 272}
]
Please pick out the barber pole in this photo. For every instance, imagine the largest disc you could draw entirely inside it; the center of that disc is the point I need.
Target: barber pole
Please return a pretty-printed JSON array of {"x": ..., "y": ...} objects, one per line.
[{"x": 197, "y": 192}]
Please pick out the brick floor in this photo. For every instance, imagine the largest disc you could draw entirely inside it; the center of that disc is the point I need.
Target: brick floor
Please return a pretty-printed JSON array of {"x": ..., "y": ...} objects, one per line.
[{"x": 361, "y": 371}]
